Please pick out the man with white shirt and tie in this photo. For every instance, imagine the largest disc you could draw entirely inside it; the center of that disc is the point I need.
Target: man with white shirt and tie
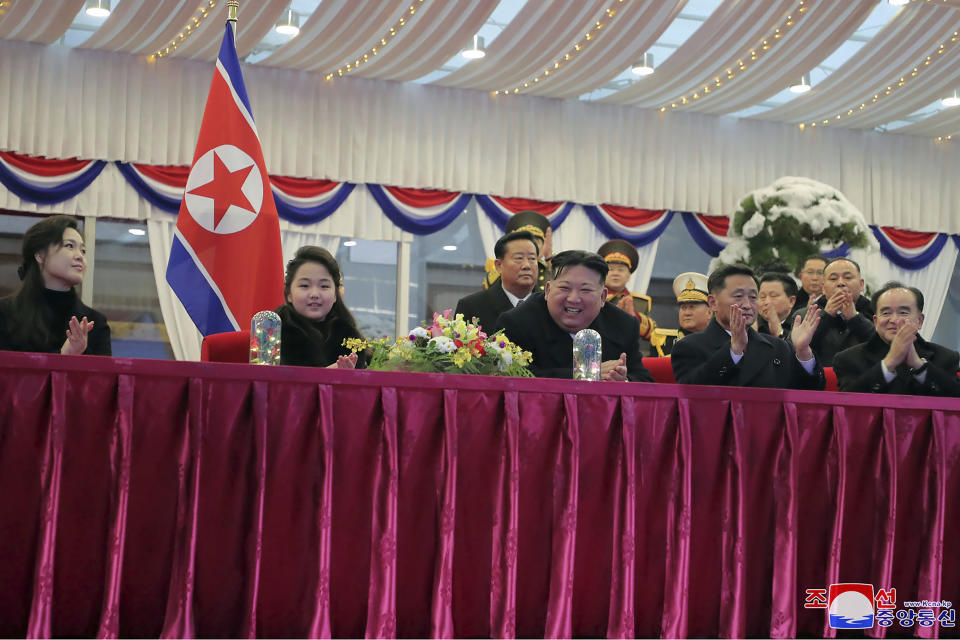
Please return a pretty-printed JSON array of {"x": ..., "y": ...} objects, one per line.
[
  {"x": 730, "y": 352},
  {"x": 516, "y": 262}
]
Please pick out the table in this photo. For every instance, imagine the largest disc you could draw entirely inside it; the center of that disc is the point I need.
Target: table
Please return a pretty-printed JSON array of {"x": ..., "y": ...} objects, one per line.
[{"x": 148, "y": 498}]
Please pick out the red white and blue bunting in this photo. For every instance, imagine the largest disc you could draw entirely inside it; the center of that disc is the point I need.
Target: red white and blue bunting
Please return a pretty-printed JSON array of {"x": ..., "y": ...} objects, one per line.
[
  {"x": 500, "y": 209},
  {"x": 160, "y": 186},
  {"x": 639, "y": 227},
  {"x": 44, "y": 180},
  {"x": 910, "y": 250},
  {"x": 306, "y": 201},
  {"x": 419, "y": 211},
  {"x": 709, "y": 232}
]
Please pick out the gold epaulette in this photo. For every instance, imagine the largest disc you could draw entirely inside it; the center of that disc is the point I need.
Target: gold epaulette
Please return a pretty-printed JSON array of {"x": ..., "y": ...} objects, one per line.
[
  {"x": 646, "y": 299},
  {"x": 659, "y": 338},
  {"x": 492, "y": 274}
]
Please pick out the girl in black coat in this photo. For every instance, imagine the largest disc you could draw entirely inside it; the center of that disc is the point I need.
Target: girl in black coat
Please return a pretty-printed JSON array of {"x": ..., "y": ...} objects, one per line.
[
  {"x": 46, "y": 309},
  {"x": 315, "y": 321}
]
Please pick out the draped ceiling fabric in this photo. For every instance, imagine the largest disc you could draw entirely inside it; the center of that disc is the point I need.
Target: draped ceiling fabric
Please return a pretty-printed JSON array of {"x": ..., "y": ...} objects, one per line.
[{"x": 105, "y": 100}]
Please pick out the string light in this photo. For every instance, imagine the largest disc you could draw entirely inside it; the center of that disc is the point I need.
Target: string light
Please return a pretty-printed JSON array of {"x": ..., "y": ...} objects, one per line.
[
  {"x": 195, "y": 21},
  {"x": 902, "y": 82},
  {"x": 572, "y": 53},
  {"x": 942, "y": 138},
  {"x": 724, "y": 75},
  {"x": 4, "y": 6},
  {"x": 385, "y": 39}
]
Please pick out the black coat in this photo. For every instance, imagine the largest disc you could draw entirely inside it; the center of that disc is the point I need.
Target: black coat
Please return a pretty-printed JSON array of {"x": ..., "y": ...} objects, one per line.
[
  {"x": 485, "y": 305},
  {"x": 59, "y": 307},
  {"x": 858, "y": 369},
  {"x": 704, "y": 358},
  {"x": 305, "y": 343},
  {"x": 532, "y": 328},
  {"x": 835, "y": 333}
]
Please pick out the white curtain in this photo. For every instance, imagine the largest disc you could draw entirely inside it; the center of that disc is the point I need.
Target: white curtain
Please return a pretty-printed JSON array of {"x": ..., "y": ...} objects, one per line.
[
  {"x": 933, "y": 281},
  {"x": 62, "y": 102},
  {"x": 292, "y": 238},
  {"x": 185, "y": 339}
]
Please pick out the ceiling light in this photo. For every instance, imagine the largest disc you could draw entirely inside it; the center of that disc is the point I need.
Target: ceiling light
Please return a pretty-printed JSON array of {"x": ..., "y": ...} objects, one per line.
[
  {"x": 477, "y": 51},
  {"x": 449, "y": 247},
  {"x": 98, "y": 8},
  {"x": 350, "y": 243},
  {"x": 803, "y": 86},
  {"x": 288, "y": 24},
  {"x": 951, "y": 101},
  {"x": 898, "y": 3},
  {"x": 137, "y": 232},
  {"x": 644, "y": 66}
]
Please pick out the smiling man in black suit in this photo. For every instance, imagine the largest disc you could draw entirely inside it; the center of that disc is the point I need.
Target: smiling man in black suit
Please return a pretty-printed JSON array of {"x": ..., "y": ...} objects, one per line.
[
  {"x": 896, "y": 359},
  {"x": 729, "y": 352},
  {"x": 516, "y": 262},
  {"x": 575, "y": 299}
]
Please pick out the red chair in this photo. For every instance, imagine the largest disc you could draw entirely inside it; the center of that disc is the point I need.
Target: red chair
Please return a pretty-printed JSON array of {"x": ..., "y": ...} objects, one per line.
[
  {"x": 831, "y": 379},
  {"x": 660, "y": 369},
  {"x": 233, "y": 346}
]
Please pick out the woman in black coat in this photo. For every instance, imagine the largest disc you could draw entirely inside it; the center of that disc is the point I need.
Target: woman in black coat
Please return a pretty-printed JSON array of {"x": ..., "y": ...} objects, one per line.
[
  {"x": 46, "y": 314},
  {"x": 315, "y": 321}
]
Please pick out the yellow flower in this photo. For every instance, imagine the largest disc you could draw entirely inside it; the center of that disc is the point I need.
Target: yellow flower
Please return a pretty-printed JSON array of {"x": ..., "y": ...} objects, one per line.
[{"x": 355, "y": 344}]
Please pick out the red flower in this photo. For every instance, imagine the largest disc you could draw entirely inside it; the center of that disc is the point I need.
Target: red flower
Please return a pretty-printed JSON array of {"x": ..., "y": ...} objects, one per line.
[{"x": 459, "y": 343}]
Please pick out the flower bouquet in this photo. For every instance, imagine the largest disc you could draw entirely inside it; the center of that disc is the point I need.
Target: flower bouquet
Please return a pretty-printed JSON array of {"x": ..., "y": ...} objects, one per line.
[
  {"x": 792, "y": 219},
  {"x": 447, "y": 345}
]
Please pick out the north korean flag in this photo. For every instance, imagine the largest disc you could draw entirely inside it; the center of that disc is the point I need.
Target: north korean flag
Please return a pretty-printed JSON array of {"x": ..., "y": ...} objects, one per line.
[{"x": 226, "y": 261}]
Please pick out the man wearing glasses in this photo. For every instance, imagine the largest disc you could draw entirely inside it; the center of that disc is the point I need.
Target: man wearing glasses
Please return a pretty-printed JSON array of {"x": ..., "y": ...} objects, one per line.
[{"x": 811, "y": 280}]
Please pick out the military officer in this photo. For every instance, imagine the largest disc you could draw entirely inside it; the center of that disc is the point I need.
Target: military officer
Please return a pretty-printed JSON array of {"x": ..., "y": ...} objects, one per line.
[
  {"x": 622, "y": 258},
  {"x": 694, "y": 314},
  {"x": 538, "y": 225}
]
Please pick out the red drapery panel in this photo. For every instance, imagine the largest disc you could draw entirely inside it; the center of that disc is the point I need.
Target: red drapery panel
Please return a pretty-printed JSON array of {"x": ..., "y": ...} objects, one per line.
[
  {"x": 42, "y": 166},
  {"x": 171, "y": 175},
  {"x": 631, "y": 216},
  {"x": 303, "y": 187},
  {"x": 908, "y": 239},
  {"x": 517, "y": 205},
  {"x": 421, "y": 198},
  {"x": 716, "y": 224},
  {"x": 144, "y": 498}
]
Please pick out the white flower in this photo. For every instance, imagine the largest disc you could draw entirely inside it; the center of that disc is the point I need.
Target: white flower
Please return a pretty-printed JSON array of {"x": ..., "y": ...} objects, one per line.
[
  {"x": 506, "y": 359},
  {"x": 736, "y": 251},
  {"x": 419, "y": 332},
  {"x": 443, "y": 344},
  {"x": 754, "y": 225}
]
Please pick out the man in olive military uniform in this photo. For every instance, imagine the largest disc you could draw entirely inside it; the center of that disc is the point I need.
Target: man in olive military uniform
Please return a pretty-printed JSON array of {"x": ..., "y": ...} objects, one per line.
[
  {"x": 621, "y": 258},
  {"x": 538, "y": 225},
  {"x": 694, "y": 314}
]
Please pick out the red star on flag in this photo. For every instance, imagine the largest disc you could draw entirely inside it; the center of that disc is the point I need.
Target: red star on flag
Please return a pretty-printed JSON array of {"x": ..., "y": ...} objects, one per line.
[{"x": 226, "y": 189}]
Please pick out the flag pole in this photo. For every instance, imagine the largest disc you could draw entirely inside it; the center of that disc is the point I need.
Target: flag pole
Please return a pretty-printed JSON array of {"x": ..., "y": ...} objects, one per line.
[{"x": 232, "y": 7}]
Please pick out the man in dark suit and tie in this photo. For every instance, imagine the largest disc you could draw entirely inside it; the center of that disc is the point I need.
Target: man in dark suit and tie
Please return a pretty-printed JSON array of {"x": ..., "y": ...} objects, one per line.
[
  {"x": 729, "y": 352},
  {"x": 575, "y": 299},
  {"x": 896, "y": 359},
  {"x": 516, "y": 261}
]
